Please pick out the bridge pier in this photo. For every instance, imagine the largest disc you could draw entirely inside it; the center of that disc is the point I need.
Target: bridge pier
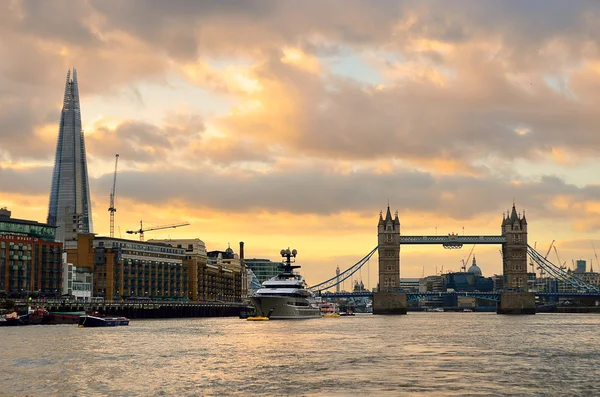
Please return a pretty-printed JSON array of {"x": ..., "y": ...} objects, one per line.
[
  {"x": 516, "y": 303},
  {"x": 389, "y": 303}
]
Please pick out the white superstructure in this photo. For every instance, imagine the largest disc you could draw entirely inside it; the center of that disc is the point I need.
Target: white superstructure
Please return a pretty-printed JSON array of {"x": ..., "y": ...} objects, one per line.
[{"x": 285, "y": 296}]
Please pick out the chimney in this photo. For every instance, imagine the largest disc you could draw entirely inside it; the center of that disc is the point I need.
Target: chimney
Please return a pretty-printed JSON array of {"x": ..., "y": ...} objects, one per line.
[{"x": 241, "y": 253}]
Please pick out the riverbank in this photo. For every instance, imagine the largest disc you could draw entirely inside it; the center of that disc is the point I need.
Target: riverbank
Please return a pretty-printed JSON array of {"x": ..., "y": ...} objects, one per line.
[{"x": 153, "y": 309}]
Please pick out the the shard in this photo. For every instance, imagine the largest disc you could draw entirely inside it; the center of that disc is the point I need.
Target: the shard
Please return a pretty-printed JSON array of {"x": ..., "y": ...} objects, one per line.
[{"x": 70, "y": 206}]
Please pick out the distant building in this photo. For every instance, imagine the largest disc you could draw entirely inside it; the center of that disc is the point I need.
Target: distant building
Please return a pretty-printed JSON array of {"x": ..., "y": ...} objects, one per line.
[
  {"x": 70, "y": 208},
  {"x": 580, "y": 266},
  {"x": 409, "y": 284},
  {"x": 264, "y": 269},
  {"x": 590, "y": 277},
  {"x": 128, "y": 268},
  {"x": 499, "y": 282},
  {"x": 432, "y": 284},
  {"x": 30, "y": 259},
  {"x": 471, "y": 280}
]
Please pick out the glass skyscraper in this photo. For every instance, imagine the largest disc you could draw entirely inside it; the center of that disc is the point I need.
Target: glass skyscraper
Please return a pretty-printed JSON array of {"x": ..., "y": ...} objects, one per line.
[{"x": 70, "y": 206}]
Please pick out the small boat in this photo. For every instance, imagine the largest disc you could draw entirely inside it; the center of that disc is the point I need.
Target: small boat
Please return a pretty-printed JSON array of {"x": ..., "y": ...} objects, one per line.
[
  {"x": 62, "y": 317},
  {"x": 97, "y": 321},
  {"x": 11, "y": 318},
  {"x": 37, "y": 316},
  {"x": 257, "y": 318}
]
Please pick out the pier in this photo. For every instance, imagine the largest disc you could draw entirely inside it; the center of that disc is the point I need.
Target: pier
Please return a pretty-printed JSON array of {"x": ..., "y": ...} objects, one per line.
[{"x": 149, "y": 309}]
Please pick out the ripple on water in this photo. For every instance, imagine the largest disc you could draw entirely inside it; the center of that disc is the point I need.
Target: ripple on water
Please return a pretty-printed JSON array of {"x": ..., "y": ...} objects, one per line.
[{"x": 440, "y": 354}]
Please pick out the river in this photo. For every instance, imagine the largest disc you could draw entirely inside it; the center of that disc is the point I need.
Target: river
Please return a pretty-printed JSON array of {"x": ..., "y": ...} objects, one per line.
[{"x": 437, "y": 354}]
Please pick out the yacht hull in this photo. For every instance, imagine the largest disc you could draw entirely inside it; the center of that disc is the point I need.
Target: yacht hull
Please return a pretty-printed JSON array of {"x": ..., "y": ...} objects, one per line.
[{"x": 284, "y": 308}]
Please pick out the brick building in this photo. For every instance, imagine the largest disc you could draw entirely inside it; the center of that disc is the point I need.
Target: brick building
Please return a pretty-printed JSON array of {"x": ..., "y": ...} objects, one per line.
[
  {"x": 125, "y": 268},
  {"x": 30, "y": 259}
]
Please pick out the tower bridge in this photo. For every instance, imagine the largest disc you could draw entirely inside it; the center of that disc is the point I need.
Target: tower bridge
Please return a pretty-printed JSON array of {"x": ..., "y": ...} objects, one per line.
[
  {"x": 514, "y": 299},
  {"x": 512, "y": 237}
]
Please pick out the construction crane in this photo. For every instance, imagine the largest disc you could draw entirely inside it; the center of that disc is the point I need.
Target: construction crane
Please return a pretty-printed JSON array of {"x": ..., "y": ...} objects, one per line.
[
  {"x": 596, "y": 255},
  {"x": 141, "y": 230},
  {"x": 113, "y": 193},
  {"x": 560, "y": 264},
  {"x": 465, "y": 262},
  {"x": 545, "y": 256},
  {"x": 549, "y": 248}
]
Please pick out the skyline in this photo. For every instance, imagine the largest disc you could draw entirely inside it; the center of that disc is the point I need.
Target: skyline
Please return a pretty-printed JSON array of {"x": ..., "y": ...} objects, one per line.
[{"x": 306, "y": 120}]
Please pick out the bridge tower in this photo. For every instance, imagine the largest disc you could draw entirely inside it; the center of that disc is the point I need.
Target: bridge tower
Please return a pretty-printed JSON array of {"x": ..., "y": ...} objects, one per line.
[
  {"x": 514, "y": 250},
  {"x": 388, "y": 238},
  {"x": 388, "y": 299},
  {"x": 516, "y": 300}
]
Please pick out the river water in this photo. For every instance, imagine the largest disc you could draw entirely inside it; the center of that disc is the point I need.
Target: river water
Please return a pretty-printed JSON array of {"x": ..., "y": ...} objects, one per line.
[{"x": 437, "y": 354}]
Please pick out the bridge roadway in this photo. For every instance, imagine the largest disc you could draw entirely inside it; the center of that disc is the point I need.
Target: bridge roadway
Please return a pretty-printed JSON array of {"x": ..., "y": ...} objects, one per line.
[
  {"x": 491, "y": 296},
  {"x": 452, "y": 239}
]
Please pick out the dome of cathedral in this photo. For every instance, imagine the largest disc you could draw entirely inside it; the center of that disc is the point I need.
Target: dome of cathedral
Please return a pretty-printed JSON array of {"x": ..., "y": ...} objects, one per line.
[{"x": 474, "y": 269}]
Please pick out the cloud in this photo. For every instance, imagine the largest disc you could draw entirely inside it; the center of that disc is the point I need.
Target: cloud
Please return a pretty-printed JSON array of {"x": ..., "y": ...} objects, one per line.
[
  {"x": 25, "y": 180},
  {"x": 320, "y": 190}
]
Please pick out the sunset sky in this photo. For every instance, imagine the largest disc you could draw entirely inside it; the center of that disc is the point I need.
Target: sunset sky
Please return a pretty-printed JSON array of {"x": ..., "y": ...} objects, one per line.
[{"x": 291, "y": 124}]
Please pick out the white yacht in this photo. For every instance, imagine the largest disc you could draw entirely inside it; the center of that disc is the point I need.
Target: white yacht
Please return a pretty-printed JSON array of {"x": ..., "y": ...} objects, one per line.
[{"x": 285, "y": 296}]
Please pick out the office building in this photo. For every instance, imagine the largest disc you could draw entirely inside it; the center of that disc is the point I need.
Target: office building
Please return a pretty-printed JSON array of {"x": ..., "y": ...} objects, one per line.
[
  {"x": 70, "y": 208},
  {"x": 264, "y": 269}
]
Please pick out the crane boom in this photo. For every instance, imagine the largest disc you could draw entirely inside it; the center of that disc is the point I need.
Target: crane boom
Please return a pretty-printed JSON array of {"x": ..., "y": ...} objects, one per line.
[
  {"x": 549, "y": 248},
  {"x": 596, "y": 255},
  {"x": 142, "y": 230},
  {"x": 113, "y": 193},
  {"x": 560, "y": 264},
  {"x": 465, "y": 262}
]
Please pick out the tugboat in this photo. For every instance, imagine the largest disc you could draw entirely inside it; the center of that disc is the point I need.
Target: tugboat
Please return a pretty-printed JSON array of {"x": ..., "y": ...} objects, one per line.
[
  {"x": 96, "y": 320},
  {"x": 285, "y": 296}
]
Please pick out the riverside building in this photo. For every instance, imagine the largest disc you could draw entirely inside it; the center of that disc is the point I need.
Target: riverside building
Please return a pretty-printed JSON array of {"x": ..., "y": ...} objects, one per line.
[
  {"x": 223, "y": 278},
  {"x": 30, "y": 259},
  {"x": 195, "y": 261},
  {"x": 126, "y": 268}
]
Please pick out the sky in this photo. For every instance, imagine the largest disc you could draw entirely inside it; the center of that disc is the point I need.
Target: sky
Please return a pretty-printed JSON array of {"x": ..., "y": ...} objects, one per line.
[{"x": 292, "y": 124}]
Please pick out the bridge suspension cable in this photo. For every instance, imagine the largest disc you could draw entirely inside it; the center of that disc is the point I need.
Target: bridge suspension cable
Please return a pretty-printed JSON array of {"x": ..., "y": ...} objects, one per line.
[
  {"x": 338, "y": 279},
  {"x": 568, "y": 278}
]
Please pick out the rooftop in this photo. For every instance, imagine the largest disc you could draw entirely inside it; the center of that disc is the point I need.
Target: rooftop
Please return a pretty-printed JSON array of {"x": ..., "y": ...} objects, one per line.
[{"x": 5, "y": 216}]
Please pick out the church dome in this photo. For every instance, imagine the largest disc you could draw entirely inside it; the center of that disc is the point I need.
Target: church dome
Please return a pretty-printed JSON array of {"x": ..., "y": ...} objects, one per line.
[{"x": 474, "y": 269}]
